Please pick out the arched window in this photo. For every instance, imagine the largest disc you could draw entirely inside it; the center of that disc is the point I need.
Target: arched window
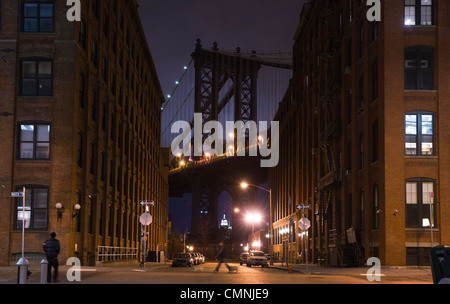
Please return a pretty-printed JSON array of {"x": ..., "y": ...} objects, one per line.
[
  {"x": 420, "y": 203},
  {"x": 419, "y": 134}
]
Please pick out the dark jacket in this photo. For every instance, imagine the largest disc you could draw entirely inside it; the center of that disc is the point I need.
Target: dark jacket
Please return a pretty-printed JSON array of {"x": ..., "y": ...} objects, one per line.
[
  {"x": 51, "y": 248},
  {"x": 222, "y": 254}
]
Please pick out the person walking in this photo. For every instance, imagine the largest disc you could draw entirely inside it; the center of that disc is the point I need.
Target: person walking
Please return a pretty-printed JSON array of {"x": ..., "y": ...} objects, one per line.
[
  {"x": 222, "y": 257},
  {"x": 52, "y": 248}
]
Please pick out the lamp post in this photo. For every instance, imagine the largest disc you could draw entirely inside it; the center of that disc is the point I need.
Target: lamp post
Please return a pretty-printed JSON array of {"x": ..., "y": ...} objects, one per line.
[{"x": 245, "y": 185}]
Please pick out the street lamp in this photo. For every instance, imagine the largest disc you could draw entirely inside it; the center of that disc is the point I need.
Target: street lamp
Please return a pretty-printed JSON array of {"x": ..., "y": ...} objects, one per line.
[
  {"x": 245, "y": 185},
  {"x": 253, "y": 218}
]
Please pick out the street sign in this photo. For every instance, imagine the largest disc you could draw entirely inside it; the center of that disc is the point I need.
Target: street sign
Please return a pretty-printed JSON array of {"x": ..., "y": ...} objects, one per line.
[
  {"x": 147, "y": 203},
  {"x": 300, "y": 207},
  {"x": 145, "y": 219},
  {"x": 16, "y": 194},
  {"x": 304, "y": 223}
]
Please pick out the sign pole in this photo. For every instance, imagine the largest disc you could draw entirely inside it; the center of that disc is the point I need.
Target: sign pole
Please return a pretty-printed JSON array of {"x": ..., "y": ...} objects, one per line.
[
  {"x": 23, "y": 223},
  {"x": 145, "y": 219},
  {"x": 304, "y": 225},
  {"x": 431, "y": 218},
  {"x": 304, "y": 239}
]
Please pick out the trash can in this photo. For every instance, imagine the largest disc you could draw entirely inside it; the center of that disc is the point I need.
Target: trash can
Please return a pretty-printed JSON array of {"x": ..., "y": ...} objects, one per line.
[{"x": 440, "y": 263}]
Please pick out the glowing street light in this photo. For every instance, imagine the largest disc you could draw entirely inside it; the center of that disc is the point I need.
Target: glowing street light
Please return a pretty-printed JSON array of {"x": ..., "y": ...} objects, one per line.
[
  {"x": 253, "y": 218},
  {"x": 245, "y": 185}
]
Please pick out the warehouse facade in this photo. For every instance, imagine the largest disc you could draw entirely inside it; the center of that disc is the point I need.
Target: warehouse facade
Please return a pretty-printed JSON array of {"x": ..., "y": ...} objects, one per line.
[
  {"x": 80, "y": 130},
  {"x": 366, "y": 114}
]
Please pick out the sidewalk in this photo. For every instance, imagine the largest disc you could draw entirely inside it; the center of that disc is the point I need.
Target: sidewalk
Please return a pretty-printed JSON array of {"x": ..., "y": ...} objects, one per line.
[
  {"x": 408, "y": 272},
  {"x": 9, "y": 274}
]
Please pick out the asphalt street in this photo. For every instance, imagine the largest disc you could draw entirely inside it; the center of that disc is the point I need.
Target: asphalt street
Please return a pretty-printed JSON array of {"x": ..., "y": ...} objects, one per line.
[{"x": 204, "y": 274}]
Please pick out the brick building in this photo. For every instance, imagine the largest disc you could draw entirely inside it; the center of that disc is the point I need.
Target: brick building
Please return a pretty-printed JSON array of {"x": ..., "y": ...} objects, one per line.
[
  {"x": 367, "y": 116},
  {"x": 79, "y": 125}
]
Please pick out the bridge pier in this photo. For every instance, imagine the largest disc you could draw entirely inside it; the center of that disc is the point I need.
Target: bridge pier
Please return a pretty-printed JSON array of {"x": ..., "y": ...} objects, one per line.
[{"x": 204, "y": 228}]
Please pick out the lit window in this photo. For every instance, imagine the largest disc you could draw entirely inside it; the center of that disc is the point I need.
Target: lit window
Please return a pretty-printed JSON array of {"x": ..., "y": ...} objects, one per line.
[
  {"x": 34, "y": 141},
  {"x": 420, "y": 203},
  {"x": 419, "y": 134},
  {"x": 418, "y": 12},
  {"x": 35, "y": 214}
]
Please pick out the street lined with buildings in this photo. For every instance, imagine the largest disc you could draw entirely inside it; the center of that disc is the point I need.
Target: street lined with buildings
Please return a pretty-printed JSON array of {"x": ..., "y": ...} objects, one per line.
[{"x": 360, "y": 171}]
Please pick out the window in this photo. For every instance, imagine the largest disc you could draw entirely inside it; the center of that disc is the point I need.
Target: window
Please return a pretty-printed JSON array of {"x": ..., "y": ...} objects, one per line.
[
  {"x": 361, "y": 40},
  {"x": 349, "y": 157},
  {"x": 81, "y": 92},
  {"x": 419, "y": 68},
  {"x": 375, "y": 80},
  {"x": 78, "y": 218},
  {"x": 361, "y": 151},
  {"x": 361, "y": 94},
  {"x": 37, "y": 16},
  {"x": 80, "y": 145},
  {"x": 92, "y": 163},
  {"x": 419, "y": 203},
  {"x": 376, "y": 208},
  {"x": 419, "y": 134},
  {"x": 94, "y": 54},
  {"x": 349, "y": 212},
  {"x": 90, "y": 215},
  {"x": 361, "y": 209},
  {"x": 35, "y": 215},
  {"x": 374, "y": 30},
  {"x": 34, "y": 141},
  {"x": 419, "y": 12},
  {"x": 82, "y": 34},
  {"x": 375, "y": 141},
  {"x": 36, "y": 77},
  {"x": 349, "y": 106}
]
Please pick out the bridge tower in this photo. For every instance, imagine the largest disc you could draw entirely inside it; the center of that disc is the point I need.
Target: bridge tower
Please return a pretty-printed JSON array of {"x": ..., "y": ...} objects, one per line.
[{"x": 213, "y": 69}]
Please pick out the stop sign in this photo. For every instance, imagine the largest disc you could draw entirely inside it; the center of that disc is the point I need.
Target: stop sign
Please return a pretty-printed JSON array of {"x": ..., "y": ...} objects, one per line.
[
  {"x": 304, "y": 223},
  {"x": 145, "y": 219}
]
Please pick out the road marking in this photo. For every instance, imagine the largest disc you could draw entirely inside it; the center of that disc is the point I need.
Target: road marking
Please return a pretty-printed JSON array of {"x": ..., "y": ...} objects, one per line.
[{"x": 88, "y": 269}]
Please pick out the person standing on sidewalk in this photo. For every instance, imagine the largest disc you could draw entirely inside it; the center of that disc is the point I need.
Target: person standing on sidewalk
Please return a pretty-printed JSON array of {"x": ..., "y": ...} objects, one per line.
[
  {"x": 222, "y": 257},
  {"x": 51, "y": 248}
]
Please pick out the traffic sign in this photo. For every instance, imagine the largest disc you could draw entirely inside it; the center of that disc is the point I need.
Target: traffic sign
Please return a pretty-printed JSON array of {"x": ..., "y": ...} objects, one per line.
[
  {"x": 147, "y": 203},
  {"x": 304, "y": 223},
  {"x": 145, "y": 219},
  {"x": 300, "y": 207},
  {"x": 16, "y": 194}
]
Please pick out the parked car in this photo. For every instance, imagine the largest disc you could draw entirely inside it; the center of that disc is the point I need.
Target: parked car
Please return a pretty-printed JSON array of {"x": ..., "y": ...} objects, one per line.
[
  {"x": 197, "y": 257},
  {"x": 243, "y": 258},
  {"x": 183, "y": 259},
  {"x": 257, "y": 258},
  {"x": 201, "y": 257}
]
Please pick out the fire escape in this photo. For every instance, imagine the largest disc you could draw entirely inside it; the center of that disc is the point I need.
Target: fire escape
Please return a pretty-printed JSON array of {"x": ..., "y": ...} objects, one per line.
[{"x": 344, "y": 254}]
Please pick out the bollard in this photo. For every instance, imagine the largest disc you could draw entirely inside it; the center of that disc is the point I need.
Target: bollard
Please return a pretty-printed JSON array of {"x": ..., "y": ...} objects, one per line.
[
  {"x": 22, "y": 271},
  {"x": 44, "y": 269}
]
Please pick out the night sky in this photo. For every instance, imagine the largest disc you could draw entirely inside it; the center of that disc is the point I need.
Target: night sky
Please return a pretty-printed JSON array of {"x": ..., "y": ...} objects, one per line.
[{"x": 173, "y": 26}]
